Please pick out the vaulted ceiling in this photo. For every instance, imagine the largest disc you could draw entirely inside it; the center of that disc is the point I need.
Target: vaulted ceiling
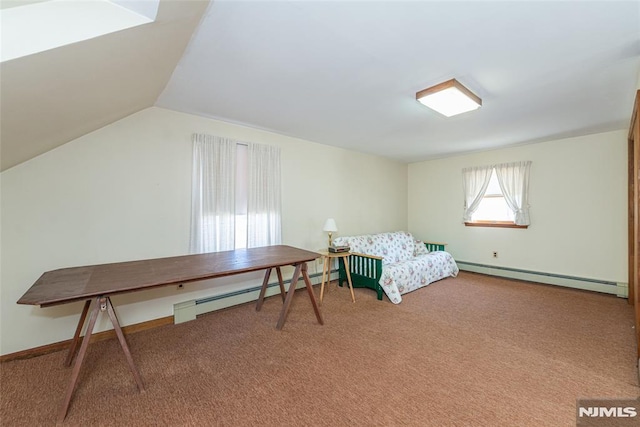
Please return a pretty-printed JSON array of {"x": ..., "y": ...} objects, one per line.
[
  {"x": 50, "y": 98},
  {"x": 341, "y": 73}
]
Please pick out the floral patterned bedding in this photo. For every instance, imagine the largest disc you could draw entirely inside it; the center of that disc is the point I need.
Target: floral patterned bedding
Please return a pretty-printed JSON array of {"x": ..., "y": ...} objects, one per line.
[{"x": 407, "y": 265}]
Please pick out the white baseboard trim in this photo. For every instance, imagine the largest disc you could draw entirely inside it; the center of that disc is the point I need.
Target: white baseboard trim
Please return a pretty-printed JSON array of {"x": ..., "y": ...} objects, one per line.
[
  {"x": 189, "y": 310},
  {"x": 596, "y": 285}
]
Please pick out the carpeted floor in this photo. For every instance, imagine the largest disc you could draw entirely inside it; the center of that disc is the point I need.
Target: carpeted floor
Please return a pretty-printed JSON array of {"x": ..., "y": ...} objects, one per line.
[{"x": 469, "y": 351}]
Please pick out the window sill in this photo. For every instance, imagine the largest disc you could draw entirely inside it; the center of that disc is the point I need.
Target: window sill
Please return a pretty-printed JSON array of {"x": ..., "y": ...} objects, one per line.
[{"x": 494, "y": 224}]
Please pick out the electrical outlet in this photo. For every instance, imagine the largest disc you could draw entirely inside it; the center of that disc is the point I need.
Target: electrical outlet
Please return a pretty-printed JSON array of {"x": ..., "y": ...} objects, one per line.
[{"x": 495, "y": 254}]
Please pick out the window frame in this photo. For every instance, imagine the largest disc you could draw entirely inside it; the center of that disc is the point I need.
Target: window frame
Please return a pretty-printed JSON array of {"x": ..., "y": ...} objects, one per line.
[
  {"x": 493, "y": 223},
  {"x": 498, "y": 224}
]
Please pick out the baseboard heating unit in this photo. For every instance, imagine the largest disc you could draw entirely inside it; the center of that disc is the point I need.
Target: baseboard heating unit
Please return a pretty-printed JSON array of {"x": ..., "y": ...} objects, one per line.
[
  {"x": 604, "y": 286},
  {"x": 189, "y": 310}
]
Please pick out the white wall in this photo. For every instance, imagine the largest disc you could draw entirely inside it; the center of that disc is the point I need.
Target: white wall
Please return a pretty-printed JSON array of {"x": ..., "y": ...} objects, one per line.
[
  {"x": 123, "y": 193},
  {"x": 578, "y": 198}
]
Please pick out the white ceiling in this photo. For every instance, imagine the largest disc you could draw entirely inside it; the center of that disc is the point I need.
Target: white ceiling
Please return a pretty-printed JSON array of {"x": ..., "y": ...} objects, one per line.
[
  {"x": 346, "y": 73},
  {"x": 342, "y": 73}
]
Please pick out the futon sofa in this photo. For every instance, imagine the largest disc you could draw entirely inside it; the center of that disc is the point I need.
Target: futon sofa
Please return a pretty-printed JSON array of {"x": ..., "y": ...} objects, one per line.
[{"x": 394, "y": 263}]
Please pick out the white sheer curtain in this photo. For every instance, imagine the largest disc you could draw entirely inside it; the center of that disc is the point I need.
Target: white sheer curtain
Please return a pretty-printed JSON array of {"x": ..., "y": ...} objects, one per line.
[
  {"x": 263, "y": 197},
  {"x": 475, "y": 181},
  {"x": 514, "y": 183},
  {"x": 213, "y": 194}
]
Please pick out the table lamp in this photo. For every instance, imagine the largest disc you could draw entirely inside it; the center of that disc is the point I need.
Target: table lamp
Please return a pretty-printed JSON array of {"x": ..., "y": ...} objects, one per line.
[{"x": 330, "y": 226}]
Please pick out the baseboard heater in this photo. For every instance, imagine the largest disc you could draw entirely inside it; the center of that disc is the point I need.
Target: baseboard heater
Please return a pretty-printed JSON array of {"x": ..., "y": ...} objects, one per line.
[
  {"x": 189, "y": 310},
  {"x": 604, "y": 286}
]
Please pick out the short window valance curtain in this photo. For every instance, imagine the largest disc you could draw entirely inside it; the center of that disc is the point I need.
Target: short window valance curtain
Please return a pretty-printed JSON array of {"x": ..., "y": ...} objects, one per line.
[{"x": 514, "y": 183}]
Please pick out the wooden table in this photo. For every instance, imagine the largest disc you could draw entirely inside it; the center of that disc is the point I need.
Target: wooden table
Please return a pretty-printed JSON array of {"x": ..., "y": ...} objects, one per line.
[
  {"x": 326, "y": 268},
  {"x": 97, "y": 283}
]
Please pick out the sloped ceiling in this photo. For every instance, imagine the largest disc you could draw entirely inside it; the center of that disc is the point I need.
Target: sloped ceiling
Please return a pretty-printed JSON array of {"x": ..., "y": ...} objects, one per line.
[
  {"x": 341, "y": 73},
  {"x": 53, "y": 97},
  {"x": 346, "y": 73}
]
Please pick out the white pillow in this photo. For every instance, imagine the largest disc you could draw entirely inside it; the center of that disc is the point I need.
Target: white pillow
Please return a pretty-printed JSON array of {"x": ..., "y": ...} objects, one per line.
[{"x": 419, "y": 248}]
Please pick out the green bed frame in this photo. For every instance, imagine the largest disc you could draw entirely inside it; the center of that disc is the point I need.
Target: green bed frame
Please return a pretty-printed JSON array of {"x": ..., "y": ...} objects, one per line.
[{"x": 366, "y": 270}]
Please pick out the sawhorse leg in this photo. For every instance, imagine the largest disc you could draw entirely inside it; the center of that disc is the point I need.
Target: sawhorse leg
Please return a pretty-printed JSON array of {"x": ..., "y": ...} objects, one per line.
[
  {"x": 76, "y": 336},
  {"x": 265, "y": 284},
  {"x": 300, "y": 269},
  {"x": 102, "y": 303}
]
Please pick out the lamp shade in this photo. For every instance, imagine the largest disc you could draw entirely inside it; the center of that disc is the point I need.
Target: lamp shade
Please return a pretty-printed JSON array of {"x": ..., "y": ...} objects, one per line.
[{"x": 330, "y": 225}]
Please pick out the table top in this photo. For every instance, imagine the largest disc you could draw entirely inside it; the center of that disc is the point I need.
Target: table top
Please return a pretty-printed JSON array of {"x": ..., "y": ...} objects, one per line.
[{"x": 81, "y": 283}]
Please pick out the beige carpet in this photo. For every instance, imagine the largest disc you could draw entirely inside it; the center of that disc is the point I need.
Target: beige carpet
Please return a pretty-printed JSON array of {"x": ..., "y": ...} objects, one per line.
[{"x": 470, "y": 351}]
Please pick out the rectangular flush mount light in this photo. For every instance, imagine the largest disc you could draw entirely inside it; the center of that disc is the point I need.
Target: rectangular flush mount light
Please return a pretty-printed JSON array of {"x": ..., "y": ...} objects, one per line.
[{"x": 449, "y": 98}]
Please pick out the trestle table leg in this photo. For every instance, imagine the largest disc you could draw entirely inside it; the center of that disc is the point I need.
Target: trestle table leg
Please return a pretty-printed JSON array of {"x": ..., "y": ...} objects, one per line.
[
  {"x": 76, "y": 368},
  {"x": 312, "y": 297},
  {"x": 76, "y": 336},
  {"x": 281, "y": 283},
  {"x": 289, "y": 298},
  {"x": 123, "y": 344},
  {"x": 102, "y": 303},
  {"x": 263, "y": 290}
]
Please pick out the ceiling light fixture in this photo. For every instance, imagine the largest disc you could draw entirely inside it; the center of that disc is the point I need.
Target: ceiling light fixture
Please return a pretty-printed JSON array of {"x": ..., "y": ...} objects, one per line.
[{"x": 449, "y": 98}]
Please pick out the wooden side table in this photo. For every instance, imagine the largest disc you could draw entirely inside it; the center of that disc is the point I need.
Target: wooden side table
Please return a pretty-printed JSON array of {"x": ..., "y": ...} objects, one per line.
[{"x": 327, "y": 257}]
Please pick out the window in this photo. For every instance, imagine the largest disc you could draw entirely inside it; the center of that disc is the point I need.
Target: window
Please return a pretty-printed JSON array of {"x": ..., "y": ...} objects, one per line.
[
  {"x": 235, "y": 199},
  {"x": 493, "y": 208},
  {"x": 497, "y": 196}
]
